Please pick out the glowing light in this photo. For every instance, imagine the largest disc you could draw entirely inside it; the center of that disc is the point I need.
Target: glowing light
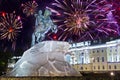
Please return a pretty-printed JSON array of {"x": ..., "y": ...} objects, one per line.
[
  {"x": 29, "y": 8},
  {"x": 10, "y": 26},
  {"x": 10, "y": 30},
  {"x": 112, "y": 73},
  {"x": 18, "y": 18},
  {"x": 3, "y": 13},
  {"x": 54, "y": 37},
  {"x": 84, "y": 19}
]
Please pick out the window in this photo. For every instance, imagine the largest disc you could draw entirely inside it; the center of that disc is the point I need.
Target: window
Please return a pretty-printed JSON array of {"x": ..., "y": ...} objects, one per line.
[
  {"x": 102, "y": 50},
  {"x": 97, "y": 59},
  {"x": 116, "y": 58},
  {"x": 97, "y": 51},
  {"x": 86, "y": 68},
  {"x": 110, "y": 50},
  {"x": 93, "y": 51},
  {"x": 93, "y": 60},
  {"x": 81, "y": 68},
  {"x": 102, "y": 59},
  {"x": 94, "y": 67},
  {"x": 82, "y": 57},
  {"x": 115, "y": 67},
  {"x": 82, "y": 60},
  {"x": 116, "y": 50},
  {"x": 103, "y": 67},
  {"x": 98, "y": 67},
  {"x": 109, "y": 66}
]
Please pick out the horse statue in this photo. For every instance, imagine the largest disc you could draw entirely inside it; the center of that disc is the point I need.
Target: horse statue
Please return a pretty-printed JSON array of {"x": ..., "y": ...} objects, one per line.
[{"x": 43, "y": 24}]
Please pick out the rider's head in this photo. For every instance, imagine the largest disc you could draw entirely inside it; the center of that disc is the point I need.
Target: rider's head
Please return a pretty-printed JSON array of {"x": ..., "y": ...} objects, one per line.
[{"x": 40, "y": 12}]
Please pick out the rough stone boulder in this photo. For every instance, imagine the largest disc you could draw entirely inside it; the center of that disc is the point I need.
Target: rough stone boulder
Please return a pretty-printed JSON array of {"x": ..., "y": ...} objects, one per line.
[{"x": 44, "y": 59}]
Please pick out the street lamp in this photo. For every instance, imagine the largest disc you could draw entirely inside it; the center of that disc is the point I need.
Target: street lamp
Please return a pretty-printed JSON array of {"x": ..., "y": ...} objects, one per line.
[{"x": 112, "y": 74}]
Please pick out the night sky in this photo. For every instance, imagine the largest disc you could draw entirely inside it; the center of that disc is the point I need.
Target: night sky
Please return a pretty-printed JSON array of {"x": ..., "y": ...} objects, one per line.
[{"x": 23, "y": 41}]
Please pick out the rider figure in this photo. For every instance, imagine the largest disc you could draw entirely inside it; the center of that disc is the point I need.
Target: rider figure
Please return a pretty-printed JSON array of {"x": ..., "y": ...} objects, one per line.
[{"x": 42, "y": 25}]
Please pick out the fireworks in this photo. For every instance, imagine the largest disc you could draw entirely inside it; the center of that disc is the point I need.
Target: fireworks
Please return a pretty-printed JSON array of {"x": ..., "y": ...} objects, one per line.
[
  {"x": 116, "y": 5},
  {"x": 83, "y": 18},
  {"x": 29, "y": 8},
  {"x": 10, "y": 26}
]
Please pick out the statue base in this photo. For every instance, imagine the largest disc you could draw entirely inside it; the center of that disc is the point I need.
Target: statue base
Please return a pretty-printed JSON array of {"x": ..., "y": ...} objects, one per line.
[{"x": 45, "y": 59}]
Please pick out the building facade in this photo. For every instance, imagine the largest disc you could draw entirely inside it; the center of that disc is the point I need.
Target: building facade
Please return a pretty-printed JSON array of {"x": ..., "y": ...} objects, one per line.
[{"x": 95, "y": 58}]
